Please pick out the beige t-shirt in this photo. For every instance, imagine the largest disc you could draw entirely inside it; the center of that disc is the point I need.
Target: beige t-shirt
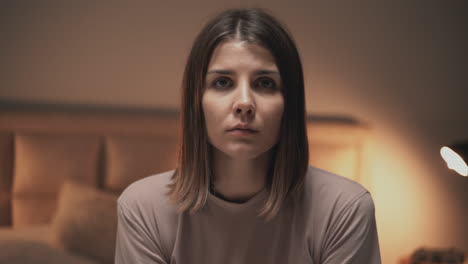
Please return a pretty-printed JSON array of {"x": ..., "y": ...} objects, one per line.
[{"x": 331, "y": 221}]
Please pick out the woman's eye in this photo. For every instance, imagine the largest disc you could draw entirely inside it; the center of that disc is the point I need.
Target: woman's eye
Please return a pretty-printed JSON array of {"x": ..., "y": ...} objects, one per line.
[
  {"x": 262, "y": 83},
  {"x": 267, "y": 83},
  {"x": 221, "y": 82}
]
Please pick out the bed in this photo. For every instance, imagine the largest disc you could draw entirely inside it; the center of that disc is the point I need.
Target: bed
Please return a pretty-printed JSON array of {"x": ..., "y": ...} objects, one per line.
[{"x": 62, "y": 166}]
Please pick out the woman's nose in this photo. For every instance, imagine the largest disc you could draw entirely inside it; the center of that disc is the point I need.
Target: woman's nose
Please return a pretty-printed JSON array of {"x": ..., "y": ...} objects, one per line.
[
  {"x": 245, "y": 110},
  {"x": 244, "y": 105}
]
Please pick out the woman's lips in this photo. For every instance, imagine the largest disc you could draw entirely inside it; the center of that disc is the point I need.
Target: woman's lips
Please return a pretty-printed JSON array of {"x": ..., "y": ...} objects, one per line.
[{"x": 242, "y": 132}]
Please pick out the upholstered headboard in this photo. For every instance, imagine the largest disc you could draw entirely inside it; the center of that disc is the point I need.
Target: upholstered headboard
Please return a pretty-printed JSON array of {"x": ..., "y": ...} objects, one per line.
[{"x": 111, "y": 149}]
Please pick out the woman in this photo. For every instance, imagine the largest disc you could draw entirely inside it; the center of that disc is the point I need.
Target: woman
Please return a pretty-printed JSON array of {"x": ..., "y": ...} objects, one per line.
[{"x": 242, "y": 191}]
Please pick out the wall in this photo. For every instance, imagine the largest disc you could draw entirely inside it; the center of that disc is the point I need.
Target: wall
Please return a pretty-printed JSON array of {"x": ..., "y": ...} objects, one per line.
[{"x": 399, "y": 67}]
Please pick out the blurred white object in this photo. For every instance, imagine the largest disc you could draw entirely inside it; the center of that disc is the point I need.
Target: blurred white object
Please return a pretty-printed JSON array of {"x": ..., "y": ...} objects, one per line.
[{"x": 454, "y": 160}]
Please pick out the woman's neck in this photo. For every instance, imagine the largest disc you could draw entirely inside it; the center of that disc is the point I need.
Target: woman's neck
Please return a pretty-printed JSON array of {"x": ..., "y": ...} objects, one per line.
[{"x": 238, "y": 180}]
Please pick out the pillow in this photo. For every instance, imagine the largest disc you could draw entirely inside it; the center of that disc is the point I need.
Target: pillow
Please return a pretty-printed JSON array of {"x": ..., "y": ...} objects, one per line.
[
  {"x": 85, "y": 221},
  {"x": 43, "y": 161},
  {"x": 132, "y": 158}
]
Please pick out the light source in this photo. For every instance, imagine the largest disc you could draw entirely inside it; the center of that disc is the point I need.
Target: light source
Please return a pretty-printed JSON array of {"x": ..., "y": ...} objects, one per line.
[{"x": 456, "y": 157}]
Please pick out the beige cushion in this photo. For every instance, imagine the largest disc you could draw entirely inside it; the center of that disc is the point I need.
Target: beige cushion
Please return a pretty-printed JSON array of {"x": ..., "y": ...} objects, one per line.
[
  {"x": 85, "y": 222},
  {"x": 44, "y": 161},
  {"x": 133, "y": 158},
  {"x": 32, "y": 210}
]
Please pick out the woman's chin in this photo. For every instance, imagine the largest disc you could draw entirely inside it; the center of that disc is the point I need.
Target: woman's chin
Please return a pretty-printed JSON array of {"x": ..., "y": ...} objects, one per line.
[{"x": 244, "y": 153}]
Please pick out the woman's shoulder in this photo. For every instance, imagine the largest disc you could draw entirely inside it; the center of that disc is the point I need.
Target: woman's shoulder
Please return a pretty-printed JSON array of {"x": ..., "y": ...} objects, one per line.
[
  {"x": 328, "y": 188},
  {"x": 148, "y": 191},
  {"x": 319, "y": 178}
]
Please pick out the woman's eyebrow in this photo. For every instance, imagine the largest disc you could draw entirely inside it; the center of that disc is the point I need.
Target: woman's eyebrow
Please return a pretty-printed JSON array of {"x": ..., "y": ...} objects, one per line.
[{"x": 228, "y": 72}]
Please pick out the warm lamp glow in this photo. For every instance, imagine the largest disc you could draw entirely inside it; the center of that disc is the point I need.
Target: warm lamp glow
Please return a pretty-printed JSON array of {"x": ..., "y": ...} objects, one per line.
[{"x": 454, "y": 161}]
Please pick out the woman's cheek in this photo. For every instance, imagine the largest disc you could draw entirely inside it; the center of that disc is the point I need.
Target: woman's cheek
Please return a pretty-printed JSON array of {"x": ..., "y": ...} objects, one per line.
[
  {"x": 213, "y": 115},
  {"x": 276, "y": 110}
]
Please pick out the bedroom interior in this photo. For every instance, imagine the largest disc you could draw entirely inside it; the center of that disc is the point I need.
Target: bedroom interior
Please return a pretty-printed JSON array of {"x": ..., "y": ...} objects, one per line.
[{"x": 86, "y": 87}]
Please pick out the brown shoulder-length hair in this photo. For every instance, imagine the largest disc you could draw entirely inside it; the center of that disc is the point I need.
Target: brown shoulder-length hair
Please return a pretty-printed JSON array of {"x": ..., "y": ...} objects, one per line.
[{"x": 191, "y": 180}]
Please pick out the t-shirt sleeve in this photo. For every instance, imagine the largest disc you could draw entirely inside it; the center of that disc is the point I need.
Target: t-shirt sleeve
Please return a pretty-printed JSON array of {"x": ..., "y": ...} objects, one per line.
[
  {"x": 353, "y": 235},
  {"x": 134, "y": 243}
]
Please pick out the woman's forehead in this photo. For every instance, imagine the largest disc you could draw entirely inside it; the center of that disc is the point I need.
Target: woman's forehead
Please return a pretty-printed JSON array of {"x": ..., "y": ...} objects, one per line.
[{"x": 241, "y": 54}]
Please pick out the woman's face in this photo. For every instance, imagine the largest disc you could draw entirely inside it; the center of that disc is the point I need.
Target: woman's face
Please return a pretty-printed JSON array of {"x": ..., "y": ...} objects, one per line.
[{"x": 243, "y": 87}]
